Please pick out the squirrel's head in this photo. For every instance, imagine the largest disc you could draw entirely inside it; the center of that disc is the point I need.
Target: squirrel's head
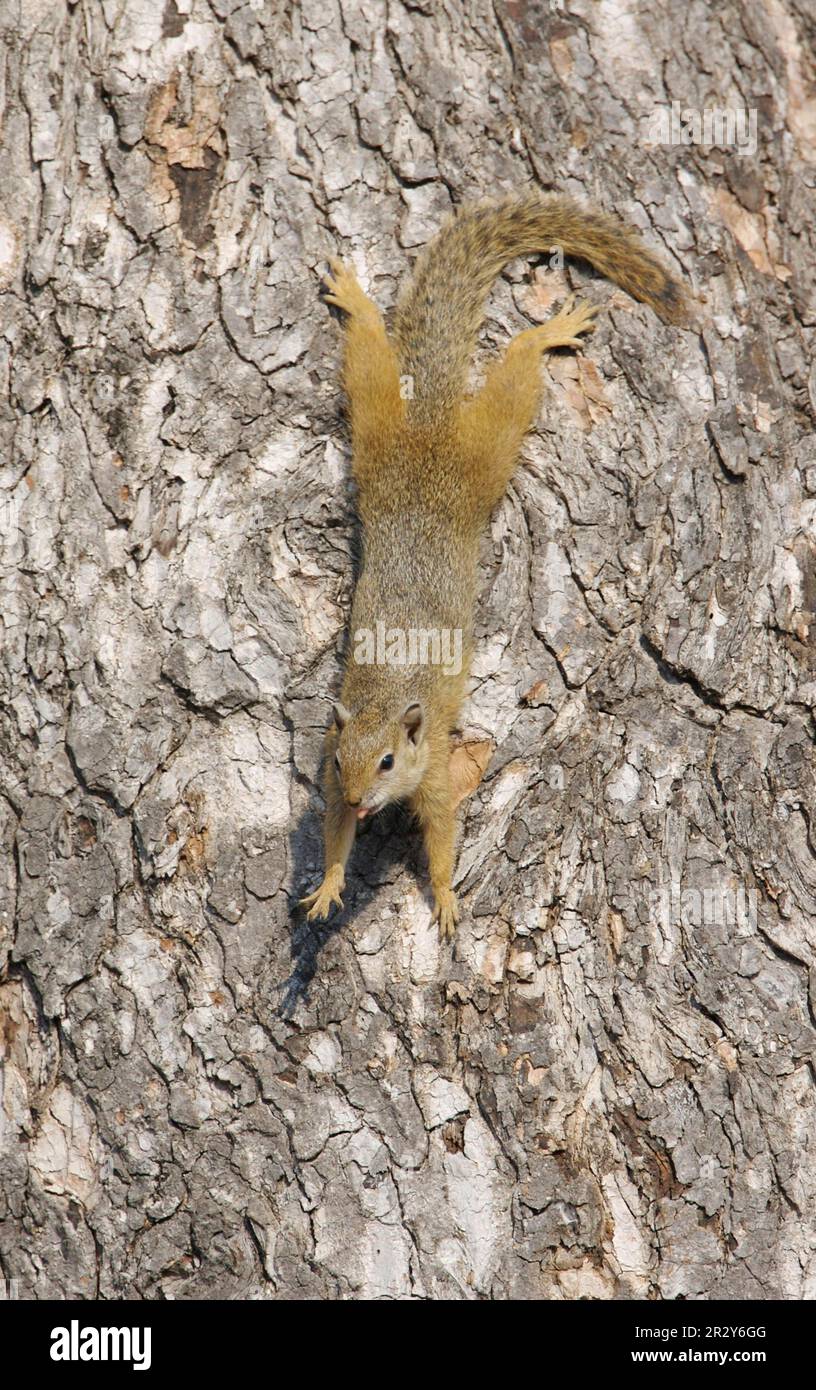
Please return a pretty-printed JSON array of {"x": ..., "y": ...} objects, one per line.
[{"x": 381, "y": 756}]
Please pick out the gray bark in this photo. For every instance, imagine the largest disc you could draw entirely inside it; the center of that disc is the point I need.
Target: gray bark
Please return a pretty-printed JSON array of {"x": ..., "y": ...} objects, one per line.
[{"x": 593, "y": 1096}]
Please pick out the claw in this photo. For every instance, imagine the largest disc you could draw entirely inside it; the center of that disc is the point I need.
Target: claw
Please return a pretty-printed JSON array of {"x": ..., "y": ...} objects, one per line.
[
  {"x": 343, "y": 290},
  {"x": 323, "y": 899},
  {"x": 446, "y": 913}
]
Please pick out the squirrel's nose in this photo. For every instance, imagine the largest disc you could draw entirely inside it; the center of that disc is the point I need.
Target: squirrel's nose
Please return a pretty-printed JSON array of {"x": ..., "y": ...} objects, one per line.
[{"x": 349, "y": 801}]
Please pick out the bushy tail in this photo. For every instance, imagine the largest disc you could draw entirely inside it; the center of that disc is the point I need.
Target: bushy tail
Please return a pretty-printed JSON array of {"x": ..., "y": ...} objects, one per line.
[{"x": 439, "y": 313}]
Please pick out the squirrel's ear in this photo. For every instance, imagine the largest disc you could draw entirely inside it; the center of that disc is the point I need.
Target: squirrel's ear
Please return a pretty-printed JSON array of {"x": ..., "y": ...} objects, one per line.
[
  {"x": 412, "y": 722},
  {"x": 341, "y": 716}
]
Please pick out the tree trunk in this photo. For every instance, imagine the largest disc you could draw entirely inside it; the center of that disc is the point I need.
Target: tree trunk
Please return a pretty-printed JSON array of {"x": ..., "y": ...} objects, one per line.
[{"x": 607, "y": 1089}]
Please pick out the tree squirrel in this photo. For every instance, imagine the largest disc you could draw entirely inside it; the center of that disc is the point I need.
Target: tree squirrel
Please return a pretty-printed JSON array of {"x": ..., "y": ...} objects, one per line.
[{"x": 430, "y": 466}]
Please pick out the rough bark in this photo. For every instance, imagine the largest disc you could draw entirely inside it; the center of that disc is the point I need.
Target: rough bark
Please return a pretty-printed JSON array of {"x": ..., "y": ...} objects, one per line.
[{"x": 591, "y": 1098}]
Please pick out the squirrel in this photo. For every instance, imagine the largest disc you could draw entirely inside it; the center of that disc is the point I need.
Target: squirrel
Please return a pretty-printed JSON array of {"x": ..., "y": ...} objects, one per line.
[{"x": 430, "y": 465}]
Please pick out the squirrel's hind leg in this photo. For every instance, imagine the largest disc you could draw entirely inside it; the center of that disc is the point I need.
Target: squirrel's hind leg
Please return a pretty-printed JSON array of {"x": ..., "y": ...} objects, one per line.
[
  {"x": 493, "y": 424},
  {"x": 562, "y": 331},
  {"x": 370, "y": 370}
]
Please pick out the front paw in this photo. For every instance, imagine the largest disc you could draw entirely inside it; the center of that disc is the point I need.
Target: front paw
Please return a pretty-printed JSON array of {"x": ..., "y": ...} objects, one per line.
[
  {"x": 324, "y": 898},
  {"x": 446, "y": 913}
]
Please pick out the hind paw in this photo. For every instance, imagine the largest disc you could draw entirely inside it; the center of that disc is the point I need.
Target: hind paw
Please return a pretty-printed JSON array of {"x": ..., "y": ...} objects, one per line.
[
  {"x": 572, "y": 319},
  {"x": 345, "y": 290}
]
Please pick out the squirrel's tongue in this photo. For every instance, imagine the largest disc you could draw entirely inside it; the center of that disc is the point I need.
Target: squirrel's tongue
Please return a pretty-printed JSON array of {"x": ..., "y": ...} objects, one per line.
[{"x": 362, "y": 813}]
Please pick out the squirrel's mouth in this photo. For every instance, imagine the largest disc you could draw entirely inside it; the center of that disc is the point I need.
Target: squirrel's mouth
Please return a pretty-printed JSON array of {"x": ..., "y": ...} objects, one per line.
[{"x": 363, "y": 812}]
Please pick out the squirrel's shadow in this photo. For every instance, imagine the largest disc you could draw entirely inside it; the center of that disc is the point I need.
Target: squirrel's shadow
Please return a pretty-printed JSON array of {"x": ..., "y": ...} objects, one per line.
[{"x": 391, "y": 838}]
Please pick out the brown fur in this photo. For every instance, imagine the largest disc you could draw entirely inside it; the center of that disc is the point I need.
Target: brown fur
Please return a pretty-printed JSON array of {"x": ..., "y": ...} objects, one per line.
[{"x": 429, "y": 471}]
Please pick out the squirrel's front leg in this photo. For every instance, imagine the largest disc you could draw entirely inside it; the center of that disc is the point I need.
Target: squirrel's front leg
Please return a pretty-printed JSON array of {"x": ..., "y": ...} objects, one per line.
[
  {"x": 433, "y": 804},
  {"x": 339, "y": 829}
]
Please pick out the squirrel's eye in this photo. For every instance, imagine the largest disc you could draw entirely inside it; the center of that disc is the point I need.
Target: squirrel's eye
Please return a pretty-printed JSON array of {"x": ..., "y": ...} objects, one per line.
[{"x": 387, "y": 762}]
